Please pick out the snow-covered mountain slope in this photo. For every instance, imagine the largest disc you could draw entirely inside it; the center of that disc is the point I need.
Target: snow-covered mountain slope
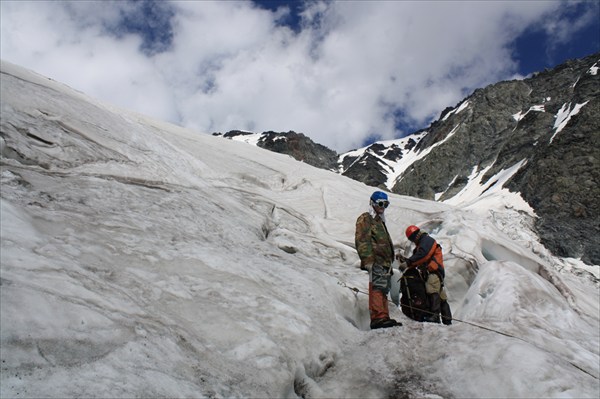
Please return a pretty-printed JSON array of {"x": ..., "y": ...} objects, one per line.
[
  {"x": 537, "y": 137},
  {"x": 140, "y": 259},
  {"x": 381, "y": 163}
]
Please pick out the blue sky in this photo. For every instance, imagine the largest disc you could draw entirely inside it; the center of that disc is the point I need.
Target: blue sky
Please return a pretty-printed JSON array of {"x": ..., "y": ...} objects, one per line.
[
  {"x": 342, "y": 72},
  {"x": 536, "y": 48}
]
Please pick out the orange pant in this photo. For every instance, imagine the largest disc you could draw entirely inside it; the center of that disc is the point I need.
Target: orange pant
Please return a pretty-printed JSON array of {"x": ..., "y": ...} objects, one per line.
[{"x": 378, "y": 304}]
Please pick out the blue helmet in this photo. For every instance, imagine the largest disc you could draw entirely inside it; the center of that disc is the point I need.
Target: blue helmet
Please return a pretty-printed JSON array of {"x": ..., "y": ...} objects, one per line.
[
  {"x": 379, "y": 195},
  {"x": 379, "y": 199}
]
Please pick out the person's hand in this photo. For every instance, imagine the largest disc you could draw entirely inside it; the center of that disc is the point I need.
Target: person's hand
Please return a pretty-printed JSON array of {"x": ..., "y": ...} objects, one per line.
[
  {"x": 402, "y": 266},
  {"x": 401, "y": 258},
  {"x": 369, "y": 267}
]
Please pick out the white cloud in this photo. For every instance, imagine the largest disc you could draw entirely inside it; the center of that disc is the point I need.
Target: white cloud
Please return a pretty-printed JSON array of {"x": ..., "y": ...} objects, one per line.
[
  {"x": 560, "y": 30},
  {"x": 231, "y": 65}
]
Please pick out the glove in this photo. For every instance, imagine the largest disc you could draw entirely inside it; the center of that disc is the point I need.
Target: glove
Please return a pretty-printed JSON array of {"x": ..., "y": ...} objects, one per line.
[{"x": 401, "y": 258}]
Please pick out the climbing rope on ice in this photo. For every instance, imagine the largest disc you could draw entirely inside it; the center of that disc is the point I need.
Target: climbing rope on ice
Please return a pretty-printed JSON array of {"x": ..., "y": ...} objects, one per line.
[{"x": 357, "y": 291}]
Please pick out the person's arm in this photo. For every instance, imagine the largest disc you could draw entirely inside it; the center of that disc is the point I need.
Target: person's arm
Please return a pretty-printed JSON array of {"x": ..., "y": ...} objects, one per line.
[
  {"x": 422, "y": 253},
  {"x": 362, "y": 240}
]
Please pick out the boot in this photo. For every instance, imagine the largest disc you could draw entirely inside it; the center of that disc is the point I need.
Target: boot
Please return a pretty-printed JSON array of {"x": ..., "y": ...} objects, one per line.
[
  {"x": 384, "y": 323},
  {"x": 435, "y": 303},
  {"x": 446, "y": 313}
]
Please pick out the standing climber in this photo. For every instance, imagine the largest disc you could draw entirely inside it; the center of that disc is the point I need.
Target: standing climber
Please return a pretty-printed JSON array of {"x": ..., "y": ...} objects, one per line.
[
  {"x": 428, "y": 256},
  {"x": 376, "y": 252}
]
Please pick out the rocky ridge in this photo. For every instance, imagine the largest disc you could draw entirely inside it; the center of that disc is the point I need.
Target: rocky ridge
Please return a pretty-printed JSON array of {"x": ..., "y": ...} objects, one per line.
[
  {"x": 296, "y": 145},
  {"x": 549, "y": 124}
]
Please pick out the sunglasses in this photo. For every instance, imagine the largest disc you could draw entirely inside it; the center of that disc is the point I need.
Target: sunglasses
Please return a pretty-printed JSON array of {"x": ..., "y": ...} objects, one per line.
[{"x": 382, "y": 203}]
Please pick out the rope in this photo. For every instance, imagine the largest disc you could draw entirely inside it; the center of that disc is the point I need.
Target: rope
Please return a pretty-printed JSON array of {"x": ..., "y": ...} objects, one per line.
[{"x": 356, "y": 291}]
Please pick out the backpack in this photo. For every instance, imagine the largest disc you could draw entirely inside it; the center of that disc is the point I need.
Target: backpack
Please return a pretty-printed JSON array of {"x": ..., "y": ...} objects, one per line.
[{"x": 414, "y": 302}]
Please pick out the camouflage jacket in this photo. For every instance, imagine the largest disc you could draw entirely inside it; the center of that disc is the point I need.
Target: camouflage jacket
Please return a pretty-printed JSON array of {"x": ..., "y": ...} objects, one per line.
[{"x": 372, "y": 240}]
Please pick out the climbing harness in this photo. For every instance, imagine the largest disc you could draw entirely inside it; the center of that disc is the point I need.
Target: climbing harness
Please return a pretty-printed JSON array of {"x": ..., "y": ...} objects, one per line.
[{"x": 390, "y": 271}]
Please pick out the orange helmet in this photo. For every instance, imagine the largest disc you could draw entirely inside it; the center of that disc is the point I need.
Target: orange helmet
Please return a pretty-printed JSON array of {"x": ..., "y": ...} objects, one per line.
[{"x": 410, "y": 230}]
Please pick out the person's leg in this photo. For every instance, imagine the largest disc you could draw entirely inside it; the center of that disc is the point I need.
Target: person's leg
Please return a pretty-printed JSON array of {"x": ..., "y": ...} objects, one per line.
[
  {"x": 446, "y": 313},
  {"x": 433, "y": 287},
  {"x": 377, "y": 304},
  {"x": 379, "y": 286}
]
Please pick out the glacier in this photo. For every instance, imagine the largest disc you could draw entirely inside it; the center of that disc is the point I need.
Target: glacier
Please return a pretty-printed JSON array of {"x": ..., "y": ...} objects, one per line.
[{"x": 141, "y": 259}]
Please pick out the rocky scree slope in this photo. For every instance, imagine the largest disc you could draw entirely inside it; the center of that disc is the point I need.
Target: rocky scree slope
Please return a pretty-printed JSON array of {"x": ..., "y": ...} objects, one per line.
[{"x": 551, "y": 122}]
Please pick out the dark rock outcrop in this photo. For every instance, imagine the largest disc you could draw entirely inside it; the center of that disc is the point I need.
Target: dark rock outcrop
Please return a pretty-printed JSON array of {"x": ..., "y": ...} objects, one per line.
[
  {"x": 516, "y": 121},
  {"x": 296, "y": 145}
]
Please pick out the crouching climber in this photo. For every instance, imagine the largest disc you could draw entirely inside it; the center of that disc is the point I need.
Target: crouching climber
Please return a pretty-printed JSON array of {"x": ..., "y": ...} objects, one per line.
[
  {"x": 376, "y": 252},
  {"x": 428, "y": 258}
]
